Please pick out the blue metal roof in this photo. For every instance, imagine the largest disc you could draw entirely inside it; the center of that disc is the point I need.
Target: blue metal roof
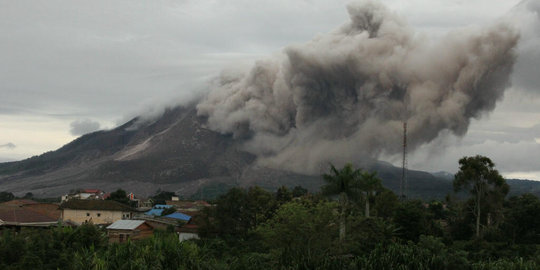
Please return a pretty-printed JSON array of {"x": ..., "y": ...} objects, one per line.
[
  {"x": 162, "y": 206},
  {"x": 179, "y": 216},
  {"x": 154, "y": 212}
]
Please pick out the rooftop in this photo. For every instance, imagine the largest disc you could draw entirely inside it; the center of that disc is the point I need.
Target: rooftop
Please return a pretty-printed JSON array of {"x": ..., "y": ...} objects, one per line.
[
  {"x": 47, "y": 209},
  {"x": 179, "y": 216},
  {"x": 125, "y": 225},
  {"x": 20, "y": 202},
  {"x": 95, "y": 205},
  {"x": 162, "y": 206},
  {"x": 21, "y": 216}
]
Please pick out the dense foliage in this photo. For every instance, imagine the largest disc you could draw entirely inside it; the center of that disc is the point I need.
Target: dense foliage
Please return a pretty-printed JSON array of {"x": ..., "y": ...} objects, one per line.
[
  {"x": 256, "y": 229},
  {"x": 120, "y": 196}
]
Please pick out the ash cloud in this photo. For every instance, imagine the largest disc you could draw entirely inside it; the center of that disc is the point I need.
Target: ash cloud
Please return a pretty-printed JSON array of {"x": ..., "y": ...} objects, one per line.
[
  {"x": 527, "y": 17},
  {"x": 343, "y": 96},
  {"x": 8, "y": 145},
  {"x": 81, "y": 127}
]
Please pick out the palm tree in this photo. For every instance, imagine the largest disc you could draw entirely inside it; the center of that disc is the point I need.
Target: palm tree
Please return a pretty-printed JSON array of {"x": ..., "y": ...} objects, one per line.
[
  {"x": 344, "y": 183},
  {"x": 369, "y": 184}
]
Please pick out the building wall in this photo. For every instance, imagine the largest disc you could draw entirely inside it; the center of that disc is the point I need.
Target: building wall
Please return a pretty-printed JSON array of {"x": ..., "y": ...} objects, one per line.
[
  {"x": 94, "y": 216},
  {"x": 183, "y": 236},
  {"x": 119, "y": 236}
]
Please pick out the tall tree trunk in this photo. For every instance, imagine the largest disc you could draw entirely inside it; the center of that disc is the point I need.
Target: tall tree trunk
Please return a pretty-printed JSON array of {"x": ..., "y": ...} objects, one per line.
[
  {"x": 367, "y": 204},
  {"x": 342, "y": 227},
  {"x": 478, "y": 215},
  {"x": 342, "y": 218}
]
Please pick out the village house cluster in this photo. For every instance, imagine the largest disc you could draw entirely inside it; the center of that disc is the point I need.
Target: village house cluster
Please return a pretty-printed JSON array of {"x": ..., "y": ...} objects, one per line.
[{"x": 135, "y": 220}]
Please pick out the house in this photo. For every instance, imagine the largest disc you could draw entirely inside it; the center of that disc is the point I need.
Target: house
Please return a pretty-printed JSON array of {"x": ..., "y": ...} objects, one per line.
[
  {"x": 28, "y": 213},
  {"x": 179, "y": 216},
  {"x": 24, "y": 218},
  {"x": 148, "y": 203},
  {"x": 85, "y": 194},
  {"x": 157, "y": 210},
  {"x": 95, "y": 211},
  {"x": 134, "y": 201},
  {"x": 188, "y": 205},
  {"x": 188, "y": 231},
  {"x": 184, "y": 225},
  {"x": 122, "y": 230}
]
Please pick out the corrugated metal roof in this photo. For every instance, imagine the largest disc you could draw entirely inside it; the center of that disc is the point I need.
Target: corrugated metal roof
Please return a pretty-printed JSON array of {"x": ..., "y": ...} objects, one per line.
[
  {"x": 154, "y": 212},
  {"x": 179, "y": 216},
  {"x": 162, "y": 206},
  {"x": 125, "y": 224}
]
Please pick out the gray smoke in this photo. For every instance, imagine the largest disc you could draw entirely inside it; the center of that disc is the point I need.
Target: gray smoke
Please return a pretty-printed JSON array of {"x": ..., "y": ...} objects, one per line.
[
  {"x": 85, "y": 126},
  {"x": 8, "y": 145},
  {"x": 343, "y": 96}
]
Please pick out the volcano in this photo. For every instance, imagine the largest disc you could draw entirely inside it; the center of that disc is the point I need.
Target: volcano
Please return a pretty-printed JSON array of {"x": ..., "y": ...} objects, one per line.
[{"x": 176, "y": 152}]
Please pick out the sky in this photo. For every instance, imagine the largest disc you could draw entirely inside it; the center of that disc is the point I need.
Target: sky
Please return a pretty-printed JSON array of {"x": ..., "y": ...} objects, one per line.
[{"x": 72, "y": 67}]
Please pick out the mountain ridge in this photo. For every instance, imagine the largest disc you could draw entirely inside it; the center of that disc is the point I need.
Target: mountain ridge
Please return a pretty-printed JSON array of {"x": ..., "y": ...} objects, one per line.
[{"x": 177, "y": 152}]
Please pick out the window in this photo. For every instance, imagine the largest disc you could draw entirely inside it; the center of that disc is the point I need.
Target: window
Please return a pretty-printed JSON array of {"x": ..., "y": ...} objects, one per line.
[
  {"x": 87, "y": 214},
  {"x": 99, "y": 214},
  {"x": 120, "y": 238}
]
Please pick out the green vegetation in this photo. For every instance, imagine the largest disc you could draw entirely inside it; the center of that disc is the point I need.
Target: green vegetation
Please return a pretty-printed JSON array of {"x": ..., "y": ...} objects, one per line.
[
  {"x": 120, "y": 196},
  {"x": 256, "y": 229},
  {"x": 162, "y": 196},
  {"x": 486, "y": 185},
  {"x": 6, "y": 196}
]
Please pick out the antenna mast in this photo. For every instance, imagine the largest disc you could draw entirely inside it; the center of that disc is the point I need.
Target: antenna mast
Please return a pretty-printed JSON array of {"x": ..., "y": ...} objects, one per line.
[{"x": 403, "y": 187}]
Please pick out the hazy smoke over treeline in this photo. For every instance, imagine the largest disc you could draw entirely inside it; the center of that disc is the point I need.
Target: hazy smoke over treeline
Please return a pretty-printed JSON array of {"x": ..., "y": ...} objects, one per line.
[{"x": 343, "y": 96}]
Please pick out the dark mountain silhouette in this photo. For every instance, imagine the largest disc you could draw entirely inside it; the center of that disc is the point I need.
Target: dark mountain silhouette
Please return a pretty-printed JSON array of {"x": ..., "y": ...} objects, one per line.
[{"x": 176, "y": 152}]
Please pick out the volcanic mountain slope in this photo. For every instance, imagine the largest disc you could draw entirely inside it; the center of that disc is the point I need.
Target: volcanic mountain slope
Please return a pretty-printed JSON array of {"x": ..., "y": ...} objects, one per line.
[
  {"x": 169, "y": 152},
  {"x": 173, "y": 152}
]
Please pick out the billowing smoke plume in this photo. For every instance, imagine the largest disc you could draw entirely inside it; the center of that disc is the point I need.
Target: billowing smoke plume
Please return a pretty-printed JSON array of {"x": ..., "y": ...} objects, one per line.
[{"x": 344, "y": 96}]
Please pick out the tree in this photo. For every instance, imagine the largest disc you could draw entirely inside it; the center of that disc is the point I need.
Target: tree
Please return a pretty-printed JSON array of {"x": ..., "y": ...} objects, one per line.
[
  {"x": 6, "y": 196},
  {"x": 522, "y": 224},
  {"x": 238, "y": 211},
  {"x": 299, "y": 191},
  {"x": 484, "y": 182},
  {"x": 162, "y": 196},
  {"x": 120, "y": 196},
  {"x": 411, "y": 217},
  {"x": 345, "y": 184},
  {"x": 298, "y": 232},
  {"x": 283, "y": 195},
  {"x": 369, "y": 184},
  {"x": 386, "y": 203}
]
